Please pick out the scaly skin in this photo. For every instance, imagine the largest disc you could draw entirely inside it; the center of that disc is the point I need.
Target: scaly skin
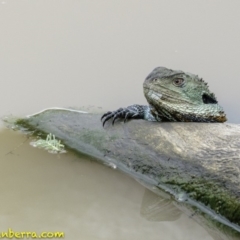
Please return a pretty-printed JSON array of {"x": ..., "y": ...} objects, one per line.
[{"x": 173, "y": 96}]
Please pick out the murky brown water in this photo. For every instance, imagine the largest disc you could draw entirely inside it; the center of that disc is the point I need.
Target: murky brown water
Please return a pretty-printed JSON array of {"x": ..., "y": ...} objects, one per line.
[
  {"x": 78, "y": 53},
  {"x": 86, "y": 200}
]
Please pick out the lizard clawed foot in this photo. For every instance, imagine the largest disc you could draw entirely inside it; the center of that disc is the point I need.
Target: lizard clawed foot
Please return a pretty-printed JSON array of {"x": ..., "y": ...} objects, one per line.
[{"x": 122, "y": 113}]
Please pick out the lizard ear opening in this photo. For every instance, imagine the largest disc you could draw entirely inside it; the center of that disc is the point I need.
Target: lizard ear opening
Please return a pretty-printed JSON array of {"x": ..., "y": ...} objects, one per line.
[{"x": 208, "y": 99}]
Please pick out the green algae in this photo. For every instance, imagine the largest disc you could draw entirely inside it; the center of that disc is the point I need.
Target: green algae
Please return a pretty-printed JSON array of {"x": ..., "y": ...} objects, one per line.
[{"x": 223, "y": 202}]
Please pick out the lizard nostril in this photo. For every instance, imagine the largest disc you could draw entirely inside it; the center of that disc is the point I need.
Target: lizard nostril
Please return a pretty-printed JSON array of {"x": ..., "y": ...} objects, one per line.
[{"x": 208, "y": 99}]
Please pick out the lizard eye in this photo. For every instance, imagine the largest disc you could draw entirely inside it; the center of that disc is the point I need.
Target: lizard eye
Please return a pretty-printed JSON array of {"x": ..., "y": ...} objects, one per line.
[
  {"x": 178, "y": 82},
  {"x": 155, "y": 79}
]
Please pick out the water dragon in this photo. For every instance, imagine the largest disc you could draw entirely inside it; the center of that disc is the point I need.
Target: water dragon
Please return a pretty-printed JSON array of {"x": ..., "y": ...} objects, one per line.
[{"x": 174, "y": 96}]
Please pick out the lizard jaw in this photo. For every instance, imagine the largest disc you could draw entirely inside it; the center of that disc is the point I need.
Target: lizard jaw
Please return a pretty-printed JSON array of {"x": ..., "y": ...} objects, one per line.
[{"x": 154, "y": 95}]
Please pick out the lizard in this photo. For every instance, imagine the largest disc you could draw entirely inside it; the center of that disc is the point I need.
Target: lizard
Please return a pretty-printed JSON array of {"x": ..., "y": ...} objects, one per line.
[{"x": 174, "y": 96}]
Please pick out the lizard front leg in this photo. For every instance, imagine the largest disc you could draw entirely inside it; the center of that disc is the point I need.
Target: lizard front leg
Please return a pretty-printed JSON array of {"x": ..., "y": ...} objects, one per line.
[{"x": 131, "y": 112}]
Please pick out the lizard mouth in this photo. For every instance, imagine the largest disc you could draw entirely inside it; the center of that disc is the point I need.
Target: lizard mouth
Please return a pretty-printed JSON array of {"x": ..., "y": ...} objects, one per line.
[
  {"x": 154, "y": 95},
  {"x": 207, "y": 99}
]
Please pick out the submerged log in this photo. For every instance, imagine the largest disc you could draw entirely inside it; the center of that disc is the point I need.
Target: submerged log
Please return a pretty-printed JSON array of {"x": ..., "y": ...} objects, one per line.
[{"x": 198, "y": 163}]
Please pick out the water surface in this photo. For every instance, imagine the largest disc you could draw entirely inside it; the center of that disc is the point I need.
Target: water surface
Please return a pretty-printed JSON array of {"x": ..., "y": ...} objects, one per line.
[{"x": 84, "y": 199}]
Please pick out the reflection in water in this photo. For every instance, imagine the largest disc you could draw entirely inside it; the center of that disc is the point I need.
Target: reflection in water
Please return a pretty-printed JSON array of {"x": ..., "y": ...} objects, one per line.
[
  {"x": 51, "y": 192},
  {"x": 157, "y": 206}
]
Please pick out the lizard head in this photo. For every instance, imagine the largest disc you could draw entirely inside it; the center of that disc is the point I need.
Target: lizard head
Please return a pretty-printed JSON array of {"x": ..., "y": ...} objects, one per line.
[{"x": 179, "y": 96}]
